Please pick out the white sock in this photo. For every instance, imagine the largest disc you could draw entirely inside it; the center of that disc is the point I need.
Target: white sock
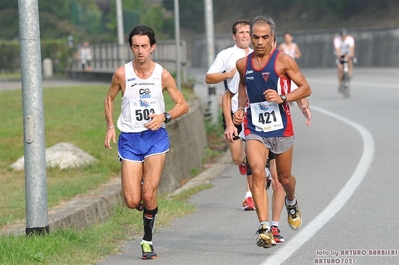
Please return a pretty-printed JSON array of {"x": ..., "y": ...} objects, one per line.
[
  {"x": 290, "y": 203},
  {"x": 248, "y": 194},
  {"x": 275, "y": 223},
  {"x": 267, "y": 172},
  {"x": 265, "y": 223}
]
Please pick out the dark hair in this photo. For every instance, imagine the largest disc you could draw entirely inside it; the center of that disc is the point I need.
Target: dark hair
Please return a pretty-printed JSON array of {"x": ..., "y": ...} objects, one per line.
[
  {"x": 264, "y": 19},
  {"x": 343, "y": 32},
  {"x": 142, "y": 30},
  {"x": 238, "y": 22}
]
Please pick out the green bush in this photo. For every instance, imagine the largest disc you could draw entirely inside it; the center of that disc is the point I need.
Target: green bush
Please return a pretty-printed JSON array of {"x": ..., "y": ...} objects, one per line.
[
  {"x": 9, "y": 56},
  {"x": 57, "y": 50}
]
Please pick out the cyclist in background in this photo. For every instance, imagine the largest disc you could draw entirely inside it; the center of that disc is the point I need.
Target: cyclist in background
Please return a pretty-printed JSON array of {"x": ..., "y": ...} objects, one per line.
[{"x": 344, "y": 46}]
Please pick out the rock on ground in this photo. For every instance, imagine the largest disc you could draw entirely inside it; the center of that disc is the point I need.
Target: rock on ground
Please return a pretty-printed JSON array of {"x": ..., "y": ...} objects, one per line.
[{"x": 62, "y": 155}]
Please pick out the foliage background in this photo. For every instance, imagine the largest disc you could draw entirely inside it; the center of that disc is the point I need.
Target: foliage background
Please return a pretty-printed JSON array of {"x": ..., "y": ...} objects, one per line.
[
  {"x": 95, "y": 20},
  {"x": 92, "y": 20}
]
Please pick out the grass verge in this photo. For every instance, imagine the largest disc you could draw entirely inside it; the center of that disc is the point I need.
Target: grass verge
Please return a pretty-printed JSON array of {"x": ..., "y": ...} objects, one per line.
[
  {"x": 88, "y": 246},
  {"x": 74, "y": 115}
]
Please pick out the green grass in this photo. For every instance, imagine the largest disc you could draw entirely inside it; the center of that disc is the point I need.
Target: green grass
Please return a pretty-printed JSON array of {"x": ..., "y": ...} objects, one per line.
[
  {"x": 10, "y": 76},
  {"x": 72, "y": 114},
  {"x": 88, "y": 246}
]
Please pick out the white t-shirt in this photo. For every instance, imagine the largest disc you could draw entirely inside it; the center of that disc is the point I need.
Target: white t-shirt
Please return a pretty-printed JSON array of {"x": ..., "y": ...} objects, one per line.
[
  {"x": 226, "y": 60},
  {"x": 233, "y": 87},
  {"x": 85, "y": 54},
  {"x": 344, "y": 46}
]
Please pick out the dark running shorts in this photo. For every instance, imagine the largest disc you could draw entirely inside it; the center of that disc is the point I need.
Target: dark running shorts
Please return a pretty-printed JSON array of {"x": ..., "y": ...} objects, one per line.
[{"x": 239, "y": 127}]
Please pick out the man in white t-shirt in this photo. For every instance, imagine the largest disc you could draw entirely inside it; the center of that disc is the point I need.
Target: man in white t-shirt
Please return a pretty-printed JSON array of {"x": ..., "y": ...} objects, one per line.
[
  {"x": 223, "y": 70},
  {"x": 344, "y": 46}
]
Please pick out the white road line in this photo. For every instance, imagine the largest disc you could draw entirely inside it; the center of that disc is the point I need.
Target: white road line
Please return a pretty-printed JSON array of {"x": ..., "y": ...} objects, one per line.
[{"x": 337, "y": 203}]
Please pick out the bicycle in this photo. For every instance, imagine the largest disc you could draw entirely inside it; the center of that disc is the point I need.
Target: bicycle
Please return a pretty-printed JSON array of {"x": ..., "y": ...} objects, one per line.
[{"x": 345, "y": 88}]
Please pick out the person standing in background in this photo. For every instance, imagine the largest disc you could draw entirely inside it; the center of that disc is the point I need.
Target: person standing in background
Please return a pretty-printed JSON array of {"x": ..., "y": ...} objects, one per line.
[
  {"x": 85, "y": 55},
  {"x": 290, "y": 47}
]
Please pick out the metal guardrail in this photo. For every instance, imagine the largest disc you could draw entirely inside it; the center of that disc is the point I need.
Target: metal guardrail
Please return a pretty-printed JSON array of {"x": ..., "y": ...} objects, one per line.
[
  {"x": 106, "y": 58},
  {"x": 375, "y": 47}
]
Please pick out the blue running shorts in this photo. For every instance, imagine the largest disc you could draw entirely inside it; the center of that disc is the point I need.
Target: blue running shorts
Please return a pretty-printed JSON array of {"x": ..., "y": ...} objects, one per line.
[{"x": 137, "y": 146}]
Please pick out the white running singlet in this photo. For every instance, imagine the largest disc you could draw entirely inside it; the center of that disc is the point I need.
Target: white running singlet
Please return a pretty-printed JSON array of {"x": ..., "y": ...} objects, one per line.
[{"x": 142, "y": 97}]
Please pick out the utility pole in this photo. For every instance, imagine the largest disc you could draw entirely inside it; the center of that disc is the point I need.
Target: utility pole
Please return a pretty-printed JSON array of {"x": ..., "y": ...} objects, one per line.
[
  {"x": 210, "y": 37},
  {"x": 177, "y": 37},
  {"x": 33, "y": 118},
  {"x": 119, "y": 19}
]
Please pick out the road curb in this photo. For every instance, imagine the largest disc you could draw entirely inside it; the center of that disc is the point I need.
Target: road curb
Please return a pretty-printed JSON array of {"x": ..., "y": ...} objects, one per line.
[{"x": 84, "y": 211}]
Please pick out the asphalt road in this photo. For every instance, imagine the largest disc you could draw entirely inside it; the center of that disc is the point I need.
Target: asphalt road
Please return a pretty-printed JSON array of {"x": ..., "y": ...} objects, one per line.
[{"x": 347, "y": 172}]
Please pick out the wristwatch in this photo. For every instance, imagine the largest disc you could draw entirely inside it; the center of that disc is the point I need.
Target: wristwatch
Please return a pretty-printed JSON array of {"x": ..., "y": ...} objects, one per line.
[
  {"x": 284, "y": 98},
  {"x": 168, "y": 118}
]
